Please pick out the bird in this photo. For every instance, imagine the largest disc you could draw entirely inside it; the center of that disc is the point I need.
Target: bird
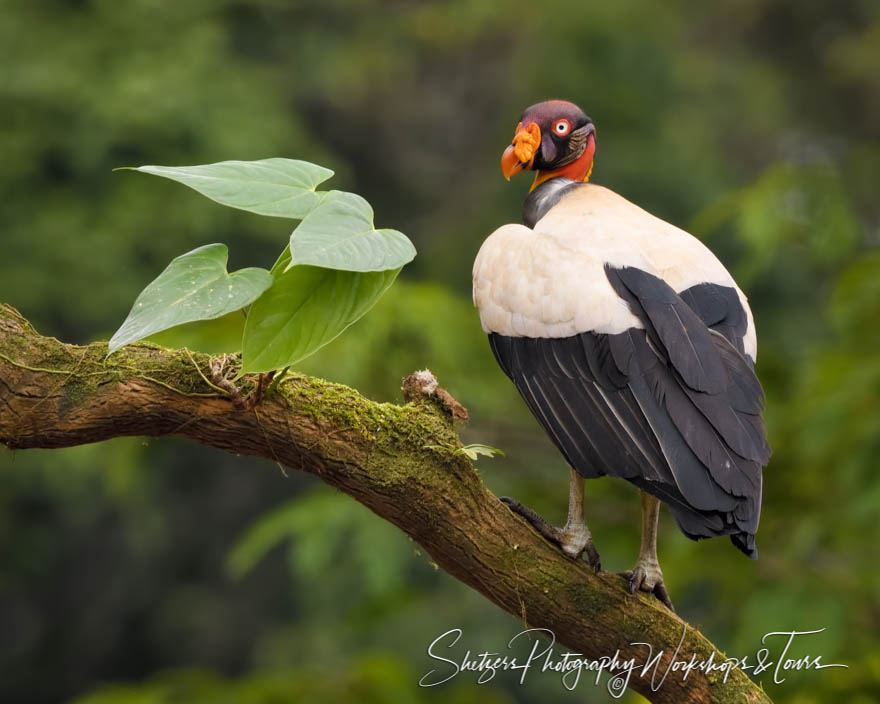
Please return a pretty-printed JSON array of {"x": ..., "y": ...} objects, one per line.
[{"x": 630, "y": 343}]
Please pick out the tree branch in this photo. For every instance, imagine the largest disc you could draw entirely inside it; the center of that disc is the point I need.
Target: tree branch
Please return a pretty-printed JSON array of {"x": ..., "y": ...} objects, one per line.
[{"x": 400, "y": 461}]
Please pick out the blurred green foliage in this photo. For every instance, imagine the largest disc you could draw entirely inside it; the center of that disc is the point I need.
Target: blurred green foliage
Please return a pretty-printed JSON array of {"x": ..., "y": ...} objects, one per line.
[
  {"x": 752, "y": 124},
  {"x": 377, "y": 679}
]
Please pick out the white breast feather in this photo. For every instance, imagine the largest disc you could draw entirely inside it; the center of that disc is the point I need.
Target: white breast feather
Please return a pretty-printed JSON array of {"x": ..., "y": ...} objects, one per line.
[{"x": 551, "y": 282}]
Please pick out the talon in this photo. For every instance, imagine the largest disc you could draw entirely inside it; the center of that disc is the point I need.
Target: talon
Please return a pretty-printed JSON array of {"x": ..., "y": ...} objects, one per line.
[
  {"x": 593, "y": 557},
  {"x": 537, "y": 522},
  {"x": 635, "y": 582},
  {"x": 647, "y": 578},
  {"x": 663, "y": 595},
  {"x": 573, "y": 541}
]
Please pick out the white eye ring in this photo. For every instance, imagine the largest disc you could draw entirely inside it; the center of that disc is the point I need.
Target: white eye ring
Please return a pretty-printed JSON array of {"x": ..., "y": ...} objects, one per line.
[{"x": 561, "y": 127}]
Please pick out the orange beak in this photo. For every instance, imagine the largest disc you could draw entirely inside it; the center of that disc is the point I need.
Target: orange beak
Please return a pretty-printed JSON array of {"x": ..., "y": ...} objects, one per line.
[{"x": 520, "y": 154}]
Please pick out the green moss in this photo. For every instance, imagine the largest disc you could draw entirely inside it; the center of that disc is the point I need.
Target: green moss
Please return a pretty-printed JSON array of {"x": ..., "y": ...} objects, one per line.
[
  {"x": 588, "y": 600},
  {"x": 395, "y": 428},
  {"x": 83, "y": 370},
  {"x": 396, "y": 436},
  {"x": 9, "y": 313}
]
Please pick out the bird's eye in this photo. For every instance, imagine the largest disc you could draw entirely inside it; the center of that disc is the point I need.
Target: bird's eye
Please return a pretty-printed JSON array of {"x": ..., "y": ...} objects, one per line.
[{"x": 561, "y": 127}]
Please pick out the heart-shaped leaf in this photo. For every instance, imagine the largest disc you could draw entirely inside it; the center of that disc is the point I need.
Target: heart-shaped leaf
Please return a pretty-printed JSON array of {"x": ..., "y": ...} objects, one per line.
[
  {"x": 284, "y": 188},
  {"x": 306, "y": 308},
  {"x": 194, "y": 286},
  {"x": 216, "y": 336},
  {"x": 339, "y": 234}
]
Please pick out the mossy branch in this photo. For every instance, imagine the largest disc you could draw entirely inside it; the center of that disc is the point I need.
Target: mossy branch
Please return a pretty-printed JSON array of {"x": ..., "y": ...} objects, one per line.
[{"x": 385, "y": 456}]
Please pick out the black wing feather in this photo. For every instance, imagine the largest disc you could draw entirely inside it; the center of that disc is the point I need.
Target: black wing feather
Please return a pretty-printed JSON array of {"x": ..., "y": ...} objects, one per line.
[
  {"x": 683, "y": 335},
  {"x": 720, "y": 309},
  {"x": 673, "y": 408}
]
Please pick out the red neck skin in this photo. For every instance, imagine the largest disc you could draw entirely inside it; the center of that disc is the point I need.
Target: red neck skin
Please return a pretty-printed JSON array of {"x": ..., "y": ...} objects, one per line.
[{"x": 578, "y": 170}]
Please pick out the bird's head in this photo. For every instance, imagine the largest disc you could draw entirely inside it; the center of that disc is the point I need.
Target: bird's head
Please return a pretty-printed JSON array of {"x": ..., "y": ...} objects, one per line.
[{"x": 554, "y": 138}]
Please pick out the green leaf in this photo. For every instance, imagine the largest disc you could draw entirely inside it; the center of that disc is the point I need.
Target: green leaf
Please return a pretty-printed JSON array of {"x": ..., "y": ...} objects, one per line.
[
  {"x": 476, "y": 449},
  {"x": 284, "y": 188},
  {"x": 194, "y": 286},
  {"x": 339, "y": 234},
  {"x": 306, "y": 308},
  {"x": 217, "y": 336}
]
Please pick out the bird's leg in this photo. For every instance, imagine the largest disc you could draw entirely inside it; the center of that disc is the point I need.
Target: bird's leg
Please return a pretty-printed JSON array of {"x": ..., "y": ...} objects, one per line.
[
  {"x": 646, "y": 576},
  {"x": 574, "y": 538}
]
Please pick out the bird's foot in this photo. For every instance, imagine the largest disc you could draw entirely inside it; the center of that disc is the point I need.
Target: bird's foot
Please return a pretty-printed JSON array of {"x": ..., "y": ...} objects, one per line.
[
  {"x": 574, "y": 541},
  {"x": 578, "y": 541},
  {"x": 647, "y": 577}
]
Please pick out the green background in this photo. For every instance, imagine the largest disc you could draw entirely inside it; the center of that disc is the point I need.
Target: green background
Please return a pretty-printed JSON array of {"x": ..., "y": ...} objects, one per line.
[{"x": 153, "y": 572}]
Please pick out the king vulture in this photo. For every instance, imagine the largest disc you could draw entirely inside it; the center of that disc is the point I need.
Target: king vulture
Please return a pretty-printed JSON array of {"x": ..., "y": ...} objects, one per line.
[{"x": 629, "y": 342}]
